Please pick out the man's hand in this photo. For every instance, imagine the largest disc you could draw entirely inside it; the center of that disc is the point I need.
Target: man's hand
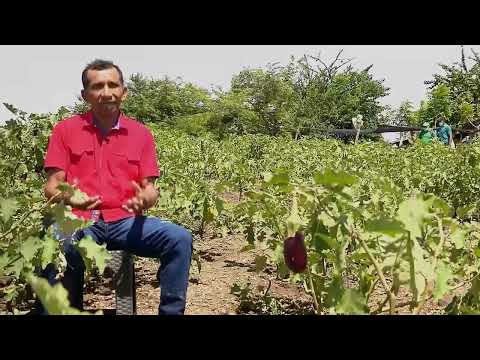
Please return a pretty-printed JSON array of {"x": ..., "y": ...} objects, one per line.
[
  {"x": 55, "y": 177},
  {"x": 145, "y": 197},
  {"x": 81, "y": 202}
]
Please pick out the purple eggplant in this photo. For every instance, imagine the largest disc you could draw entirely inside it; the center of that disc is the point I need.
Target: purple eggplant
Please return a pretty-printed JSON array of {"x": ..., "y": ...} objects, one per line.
[{"x": 295, "y": 252}]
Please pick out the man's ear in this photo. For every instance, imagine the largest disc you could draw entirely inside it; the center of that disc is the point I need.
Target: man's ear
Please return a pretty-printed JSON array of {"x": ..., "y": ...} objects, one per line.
[{"x": 125, "y": 93}]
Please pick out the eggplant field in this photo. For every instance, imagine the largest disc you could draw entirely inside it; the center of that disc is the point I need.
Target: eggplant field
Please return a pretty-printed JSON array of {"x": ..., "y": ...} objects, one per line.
[{"x": 285, "y": 217}]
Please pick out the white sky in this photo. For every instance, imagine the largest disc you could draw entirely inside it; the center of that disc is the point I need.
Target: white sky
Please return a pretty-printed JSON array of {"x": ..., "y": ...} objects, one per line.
[{"x": 40, "y": 79}]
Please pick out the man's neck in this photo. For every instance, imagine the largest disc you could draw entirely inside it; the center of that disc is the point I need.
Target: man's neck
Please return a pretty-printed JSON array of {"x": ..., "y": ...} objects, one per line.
[{"x": 106, "y": 122}]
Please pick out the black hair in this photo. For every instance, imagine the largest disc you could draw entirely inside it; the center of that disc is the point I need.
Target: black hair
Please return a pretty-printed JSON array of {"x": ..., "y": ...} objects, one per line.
[{"x": 99, "y": 64}]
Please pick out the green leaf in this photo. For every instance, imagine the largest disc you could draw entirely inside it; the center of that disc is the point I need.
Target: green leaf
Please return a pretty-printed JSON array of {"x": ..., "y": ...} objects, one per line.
[
  {"x": 247, "y": 248},
  {"x": 385, "y": 226},
  {"x": 250, "y": 234},
  {"x": 50, "y": 248},
  {"x": 30, "y": 247},
  {"x": 54, "y": 298},
  {"x": 8, "y": 207},
  {"x": 278, "y": 177},
  {"x": 3, "y": 262},
  {"x": 10, "y": 293},
  {"x": 412, "y": 213},
  {"x": 93, "y": 253},
  {"x": 219, "y": 205},
  {"x": 444, "y": 274},
  {"x": 463, "y": 211},
  {"x": 329, "y": 177},
  {"x": 335, "y": 291},
  {"x": 458, "y": 237},
  {"x": 323, "y": 242},
  {"x": 260, "y": 263},
  {"x": 66, "y": 221},
  {"x": 352, "y": 303},
  {"x": 78, "y": 196},
  {"x": 63, "y": 187},
  {"x": 16, "y": 267}
]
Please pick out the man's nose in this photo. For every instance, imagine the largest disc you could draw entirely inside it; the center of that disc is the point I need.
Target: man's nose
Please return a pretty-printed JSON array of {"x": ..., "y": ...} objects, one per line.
[{"x": 106, "y": 91}]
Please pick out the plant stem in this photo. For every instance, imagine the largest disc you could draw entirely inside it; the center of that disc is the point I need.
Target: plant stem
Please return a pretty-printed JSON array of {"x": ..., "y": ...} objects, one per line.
[
  {"x": 434, "y": 266},
  {"x": 315, "y": 301},
  {"x": 379, "y": 271}
]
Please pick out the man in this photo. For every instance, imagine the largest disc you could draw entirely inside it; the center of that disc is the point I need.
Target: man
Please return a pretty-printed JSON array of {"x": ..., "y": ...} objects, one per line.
[
  {"x": 112, "y": 158},
  {"x": 425, "y": 135},
  {"x": 444, "y": 132}
]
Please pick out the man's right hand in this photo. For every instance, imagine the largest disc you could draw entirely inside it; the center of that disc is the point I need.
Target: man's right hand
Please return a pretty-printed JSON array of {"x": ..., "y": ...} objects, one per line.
[
  {"x": 55, "y": 177},
  {"x": 81, "y": 202}
]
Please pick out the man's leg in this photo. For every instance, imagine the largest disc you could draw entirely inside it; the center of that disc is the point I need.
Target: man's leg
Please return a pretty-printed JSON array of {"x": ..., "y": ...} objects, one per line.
[
  {"x": 172, "y": 244},
  {"x": 73, "y": 277}
]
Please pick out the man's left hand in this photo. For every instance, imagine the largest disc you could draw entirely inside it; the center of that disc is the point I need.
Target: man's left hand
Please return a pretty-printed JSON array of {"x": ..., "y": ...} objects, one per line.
[{"x": 145, "y": 197}]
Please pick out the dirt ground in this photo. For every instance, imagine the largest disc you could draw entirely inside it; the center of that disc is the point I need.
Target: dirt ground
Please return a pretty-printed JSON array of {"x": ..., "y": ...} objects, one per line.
[{"x": 209, "y": 291}]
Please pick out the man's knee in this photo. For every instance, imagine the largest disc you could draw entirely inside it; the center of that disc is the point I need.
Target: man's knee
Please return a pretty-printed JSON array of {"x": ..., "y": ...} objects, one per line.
[{"x": 181, "y": 240}]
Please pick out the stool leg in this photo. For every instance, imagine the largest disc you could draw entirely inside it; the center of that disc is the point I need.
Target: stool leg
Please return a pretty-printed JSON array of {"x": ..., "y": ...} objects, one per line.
[{"x": 122, "y": 264}]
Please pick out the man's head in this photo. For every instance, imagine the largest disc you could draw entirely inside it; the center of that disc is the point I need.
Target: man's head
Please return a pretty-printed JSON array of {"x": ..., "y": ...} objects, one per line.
[
  {"x": 441, "y": 120},
  {"x": 103, "y": 87}
]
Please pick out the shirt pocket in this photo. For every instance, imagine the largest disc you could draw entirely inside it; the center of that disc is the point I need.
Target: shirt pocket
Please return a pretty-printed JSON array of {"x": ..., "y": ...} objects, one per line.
[
  {"x": 82, "y": 160},
  {"x": 125, "y": 164}
]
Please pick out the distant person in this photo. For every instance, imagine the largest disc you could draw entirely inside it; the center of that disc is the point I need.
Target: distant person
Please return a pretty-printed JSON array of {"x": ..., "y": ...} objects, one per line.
[
  {"x": 425, "y": 134},
  {"x": 444, "y": 132}
]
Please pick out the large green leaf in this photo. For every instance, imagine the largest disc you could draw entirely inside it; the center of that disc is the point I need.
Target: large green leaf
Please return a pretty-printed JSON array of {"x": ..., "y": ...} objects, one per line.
[
  {"x": 385, "y": 226},
  {"x": 93, "y": 253},
  {"x": 54, "y": 298},
  {"x": 444, "y": 274},
  {"x": 30, "y": 247},
  {"x": 260, "y": 263},
  {"x": 50, "y": 248},
  {"x": 412, "y": 213},
  {"x": 329, "y": 177},
  {"x": 8, "y": 207},
  {"x": 352, "y": 303}
]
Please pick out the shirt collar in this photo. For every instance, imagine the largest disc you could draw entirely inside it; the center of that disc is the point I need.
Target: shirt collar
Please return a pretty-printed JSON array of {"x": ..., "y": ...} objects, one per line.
[
  {"x": 116, "y": 126},
  {"x": 90, "y": 118}
]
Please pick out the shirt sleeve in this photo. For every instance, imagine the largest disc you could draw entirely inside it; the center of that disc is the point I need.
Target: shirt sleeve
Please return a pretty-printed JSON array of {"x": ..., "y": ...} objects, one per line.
[
  {"x": 148, "y": 160},
  {"x": 57, "y": 153}
]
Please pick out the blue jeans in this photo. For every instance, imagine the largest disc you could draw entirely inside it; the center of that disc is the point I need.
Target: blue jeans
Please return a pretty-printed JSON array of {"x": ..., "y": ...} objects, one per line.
[{"x": 142, "y": 236}]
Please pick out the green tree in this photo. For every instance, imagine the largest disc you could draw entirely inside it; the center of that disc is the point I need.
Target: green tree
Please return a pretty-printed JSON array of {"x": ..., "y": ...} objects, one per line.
[
  {"x": 463, "y": 81},
  {"x": 268, "y": 94},
  {"x": 330, "y": 95},
  {"x": 438, "y": 104},
  {"x": 161, "y": 101}
]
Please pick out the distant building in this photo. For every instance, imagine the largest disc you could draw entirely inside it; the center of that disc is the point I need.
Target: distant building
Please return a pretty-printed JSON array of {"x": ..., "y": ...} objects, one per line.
[{"x": 399, "y": 138}]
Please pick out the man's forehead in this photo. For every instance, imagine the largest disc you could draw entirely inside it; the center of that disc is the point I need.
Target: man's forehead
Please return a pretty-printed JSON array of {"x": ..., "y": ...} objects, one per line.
[{"x": 102, "y": 75}]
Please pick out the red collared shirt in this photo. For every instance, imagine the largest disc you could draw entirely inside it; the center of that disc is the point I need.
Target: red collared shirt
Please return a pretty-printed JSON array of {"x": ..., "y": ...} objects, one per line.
[{"x": 103, "y": 165}]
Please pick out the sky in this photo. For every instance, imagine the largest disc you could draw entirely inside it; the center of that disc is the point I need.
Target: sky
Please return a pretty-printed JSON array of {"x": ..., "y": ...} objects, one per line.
[{"x": 40, "y": 79}]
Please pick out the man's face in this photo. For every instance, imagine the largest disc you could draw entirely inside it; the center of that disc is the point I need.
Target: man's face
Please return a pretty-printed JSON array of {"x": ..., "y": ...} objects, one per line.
[
  {"x": 441, "y": 123},
  {"x": 105, "y": 92}
]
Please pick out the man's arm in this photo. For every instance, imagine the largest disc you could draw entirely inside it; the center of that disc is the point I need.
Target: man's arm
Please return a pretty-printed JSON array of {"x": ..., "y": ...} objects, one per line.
[{"x": 55, "y": 177}]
